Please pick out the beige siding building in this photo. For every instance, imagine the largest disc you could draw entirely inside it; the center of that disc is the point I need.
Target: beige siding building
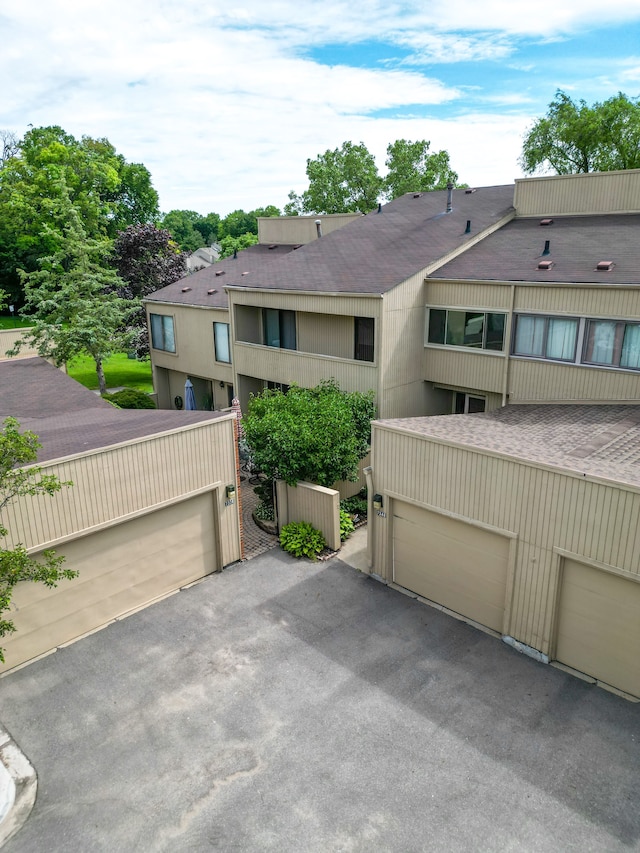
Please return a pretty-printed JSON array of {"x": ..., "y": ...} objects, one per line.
[
  {"x": 525, "y": 521},
  {"x": 152, "y": 508}
]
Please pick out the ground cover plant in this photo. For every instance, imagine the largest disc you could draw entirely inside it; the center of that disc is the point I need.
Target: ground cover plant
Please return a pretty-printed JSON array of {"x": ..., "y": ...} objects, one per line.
[{"x": 301, "y": 539}]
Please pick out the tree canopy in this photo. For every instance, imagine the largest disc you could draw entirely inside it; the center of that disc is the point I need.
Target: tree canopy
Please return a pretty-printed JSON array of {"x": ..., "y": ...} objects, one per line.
[
  {"x": 146, "y": 258},
  {"x": 71, "y": 300},
  {"x": 17, "y": 450},
  {"x": 575, "y": 137},
  {"x": 411, "y": 168},
  {"x": 346, "y": 180},
  {"x": 107, "y": 192},
  {"x": 316, "y": 434}
]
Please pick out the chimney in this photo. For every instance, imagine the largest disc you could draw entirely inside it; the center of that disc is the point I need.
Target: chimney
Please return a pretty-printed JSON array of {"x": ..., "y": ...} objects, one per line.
[
  {"x": 319, "y": 227},
  {"x": 449, "y": 197}
]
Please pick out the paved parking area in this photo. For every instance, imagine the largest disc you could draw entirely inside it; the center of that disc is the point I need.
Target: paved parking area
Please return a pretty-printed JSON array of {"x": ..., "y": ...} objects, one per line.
[{"x": 290, "y": 706}]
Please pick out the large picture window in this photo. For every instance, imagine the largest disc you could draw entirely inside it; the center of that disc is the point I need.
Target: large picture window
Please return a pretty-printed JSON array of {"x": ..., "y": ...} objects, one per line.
[
  {"x": 162, "y": 336},
  {"x": 363, "y": 338},
  {"x": 612, "y": 343},
  {"x": 221, "y": 342},
  {"x": 546, "y": 337},
  {"x": 279, "y": 328},
  {"x": 475, "y": 329}
]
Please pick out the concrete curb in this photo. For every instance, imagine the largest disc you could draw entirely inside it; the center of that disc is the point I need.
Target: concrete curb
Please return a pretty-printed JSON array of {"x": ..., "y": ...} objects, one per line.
[{"x": 18, "y": 785}]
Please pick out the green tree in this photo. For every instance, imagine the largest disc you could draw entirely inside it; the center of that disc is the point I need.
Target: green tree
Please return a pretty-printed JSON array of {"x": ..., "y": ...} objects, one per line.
[
  {"x": 575, "y": 137},
  {"x": 344, "y": 180},
  {"x": 72, "y": 302},
  {"x": 413, "y": 169},
  {"x": 317, "y": 434},
  {"x": 183, "y": 227},
  {"x": 237, "y": 223},
  {"x": 19, "y": 478},
  {"x": 229, "y": 245},
  {"x": 208, "y": 226},
  {"x": 107, "y": 192}
]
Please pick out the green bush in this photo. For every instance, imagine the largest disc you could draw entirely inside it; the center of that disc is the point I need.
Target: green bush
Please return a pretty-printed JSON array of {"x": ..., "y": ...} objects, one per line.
[
  {"x": 301, "y": 539},
  {"x": 265, "y": 511},
  {"x": 346, "y": 525},
  {"x": 356, "y": 504},
  {"x": 129, "y": 398}
]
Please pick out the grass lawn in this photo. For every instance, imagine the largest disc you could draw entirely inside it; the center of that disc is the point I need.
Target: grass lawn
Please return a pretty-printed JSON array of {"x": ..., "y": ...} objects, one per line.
[
  {"x": 13, "y": 323},
  {"x": 118, "y": 370}
]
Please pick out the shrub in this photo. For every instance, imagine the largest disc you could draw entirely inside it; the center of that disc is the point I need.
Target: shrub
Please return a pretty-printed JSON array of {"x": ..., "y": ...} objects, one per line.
[
  {"x": 346, "y": 525},
  {"x": 130, "y": 398},
  {"x": 356, "y": 504},
  {"x": 301, "y": 539},
  {"x": 264, "y": 511}
]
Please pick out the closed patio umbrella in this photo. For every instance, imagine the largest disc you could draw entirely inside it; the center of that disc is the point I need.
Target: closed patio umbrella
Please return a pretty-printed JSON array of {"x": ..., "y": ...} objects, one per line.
[{"x": 189, "y": 396}]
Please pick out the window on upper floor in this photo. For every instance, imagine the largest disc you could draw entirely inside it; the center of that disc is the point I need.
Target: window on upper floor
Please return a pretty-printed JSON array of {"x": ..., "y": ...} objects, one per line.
[
  {"x": 162, "y": 334},
  {"x": 612, "y": 343},
  {"x": 221, "y": 342},
  {"x": 475, "y": 329},
  {"x": 546, "y": 337},
  {"x": 279, "y": 328},
  {"x": 364, "y": 331}
]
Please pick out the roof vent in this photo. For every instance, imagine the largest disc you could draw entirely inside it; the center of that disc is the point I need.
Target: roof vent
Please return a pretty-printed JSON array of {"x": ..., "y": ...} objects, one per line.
[
  {"x": 546, "y": 222},
  {"x": 545, "y": 265},
  {"x": 469, "y": 190},
  {"x": 604, "y": 266},
  {"x": 273, "y": 246},
  {"x": 245, "y": 273},
  {"x": 220, "y": 272},
  {"x": 379, "y": 207},
  {"x": 417, "y": 195},
  {"x": 319, "y": 228},
  {"x": 186, "y": 289},
  {"x": 211, "y": 290},
  {"x": 546, "y": 249},
  {"x": 449, "y": 197},
  {"x": 467, "y": 230}
]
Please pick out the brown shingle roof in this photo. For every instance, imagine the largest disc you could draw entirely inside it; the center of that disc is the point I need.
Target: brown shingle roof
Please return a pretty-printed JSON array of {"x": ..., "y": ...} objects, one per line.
[
  {"x": 251, "y": 260},
  {"x": 68, "y": 418},
  {"x": 576, "y": 245},
  {"x": 379, "y": 251},
  {"x": 602, "y": 441},
  {"x": 372, "y": 254}
]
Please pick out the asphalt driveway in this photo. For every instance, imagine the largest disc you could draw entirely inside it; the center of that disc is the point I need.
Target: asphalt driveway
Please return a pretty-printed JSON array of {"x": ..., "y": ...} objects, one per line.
[{"x": 290, "y": 706}]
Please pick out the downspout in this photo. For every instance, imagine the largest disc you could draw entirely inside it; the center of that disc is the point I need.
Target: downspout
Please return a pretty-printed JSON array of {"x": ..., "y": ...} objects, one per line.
[
  {"x": 507, "y": 358},
  {"x": 368, "y": 473}
]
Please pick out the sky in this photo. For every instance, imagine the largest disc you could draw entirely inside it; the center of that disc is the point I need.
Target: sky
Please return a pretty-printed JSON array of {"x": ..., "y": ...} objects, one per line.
[{"x": 225, "y": 102}]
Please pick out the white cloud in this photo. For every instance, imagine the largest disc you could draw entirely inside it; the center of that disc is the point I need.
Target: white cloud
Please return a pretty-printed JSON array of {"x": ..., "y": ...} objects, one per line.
[{"x": 223, "y": 104}]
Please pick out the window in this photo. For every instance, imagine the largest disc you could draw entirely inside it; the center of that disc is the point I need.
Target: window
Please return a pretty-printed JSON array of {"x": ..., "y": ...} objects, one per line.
[
  {"x": 221, "y": 342},
  {"x": 612, "y": 343},
  {"x": 467, "y": 404},
  {"x": 162, "y": 336},
  {"x": 278, "y": 386},
  {"x": 476, "y": 329},
  {"x": 546, "y": 337},
  {"x": 279, "y": 328},
  {"x": 364, "y": 328}
]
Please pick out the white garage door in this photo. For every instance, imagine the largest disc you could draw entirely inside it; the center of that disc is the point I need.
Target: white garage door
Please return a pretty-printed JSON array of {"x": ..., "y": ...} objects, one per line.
[
  {"x": 451, "y": 563},
  {"x": 599, "y": 626},
  {"x": 121, "y": 568}
]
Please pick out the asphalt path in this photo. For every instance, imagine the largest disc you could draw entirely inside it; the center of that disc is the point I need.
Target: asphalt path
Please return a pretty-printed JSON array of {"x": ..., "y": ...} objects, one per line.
[{"x": 288, "y": 706}]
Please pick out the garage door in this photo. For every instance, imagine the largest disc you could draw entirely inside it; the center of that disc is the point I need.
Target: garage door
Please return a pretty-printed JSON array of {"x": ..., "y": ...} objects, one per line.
[
  {"x": 451, "y": 563},
  {"x": 121, "y": 568},
  {"x": 599, "y": 626}
]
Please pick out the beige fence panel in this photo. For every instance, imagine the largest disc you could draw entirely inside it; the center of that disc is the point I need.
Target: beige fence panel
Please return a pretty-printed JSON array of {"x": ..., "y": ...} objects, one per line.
[{"x": 316, "y": 504}]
